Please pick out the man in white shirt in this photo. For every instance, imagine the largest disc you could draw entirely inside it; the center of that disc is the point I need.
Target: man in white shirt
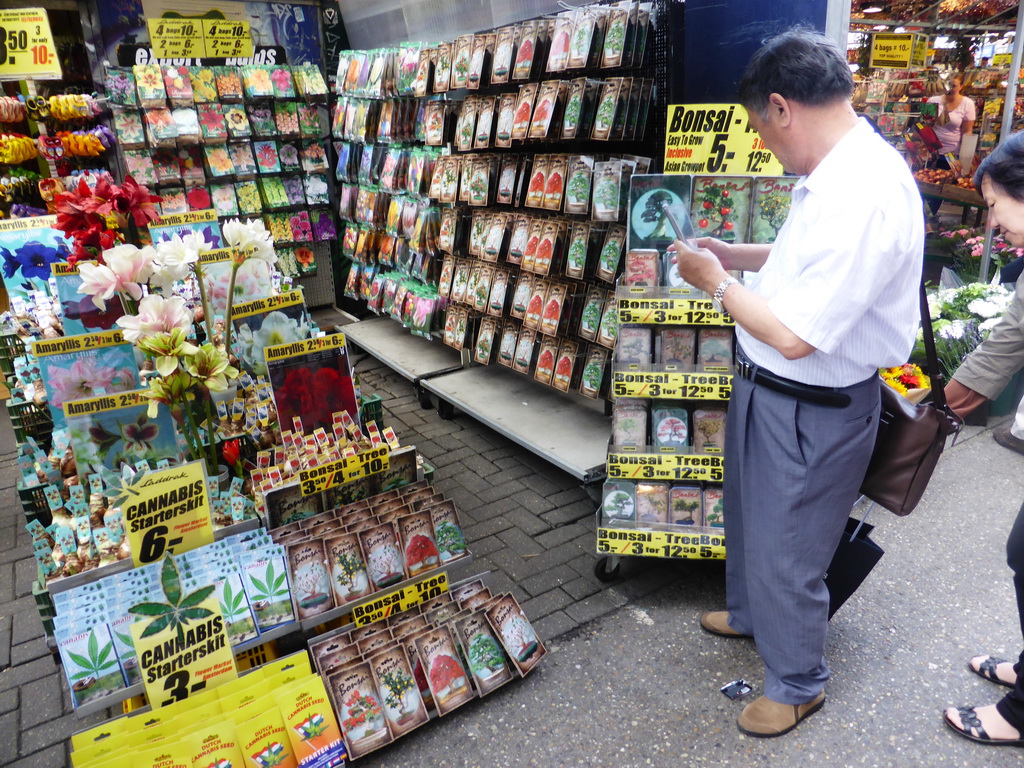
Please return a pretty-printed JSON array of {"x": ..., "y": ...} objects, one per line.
[{"x": 835, "y": 298}]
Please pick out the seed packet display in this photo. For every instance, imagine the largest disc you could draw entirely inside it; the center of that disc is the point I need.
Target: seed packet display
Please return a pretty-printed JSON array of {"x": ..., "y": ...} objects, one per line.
[
  {"x": 709, "y": 430},
  {"x": 383, "y": 555},
  {"x": 349, "y": 578},
  {"x": 721, "y": 207},
  {"x": 652, "y": 503},
  {"x": 607, "y": 190},
  {"x": 309, "y": 577},
  {"x": 447, "y": 678},
  {"x": 714, "y": 514},
  {"x": 487, "y": 660},
  {"x": 676, "y": 346},
  {"x": 670, "y": 425},
  {"x": 516, "y": 633},
  {"x": 507, "y": 347},
  {"x": 611, "y": 253},
  {"x": 592, "y": 376},
  {"x": 524, "y": 111},
  {"x": 686, "y": 505},
  {"x": 399, "y": 693},
  {"x": 770, "y": 207},
  {"x": 451, "y": 543},
  {"x": 618, "y": 501},
  {"x": 629, "y": 423},
  {"x": 364, "y": 725},
  {"x": 75, "y": 366},
  {"x": 649, "y": 226},
  {"x": 715, "y": 349},
  {"x": 565, "y": 365},
  {"x": 642, "y": 269},
  {"x": 90, "y": 664}
]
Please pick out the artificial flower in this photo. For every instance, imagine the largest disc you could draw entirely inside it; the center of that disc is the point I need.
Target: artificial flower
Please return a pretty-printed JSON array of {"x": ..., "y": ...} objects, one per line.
[
  {"x": 251, "y": 239},
  {"x": 156, "y": 315},
  {"x": 175, "y": 257},
  {"x": 211, "y": 368},
  {"x": 171, "y": 390},
  {"x": 168, "y": 348}
]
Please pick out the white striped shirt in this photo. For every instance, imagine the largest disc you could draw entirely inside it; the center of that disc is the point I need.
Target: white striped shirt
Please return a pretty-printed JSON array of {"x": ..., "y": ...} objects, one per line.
[{"x": 843, "y": 273}]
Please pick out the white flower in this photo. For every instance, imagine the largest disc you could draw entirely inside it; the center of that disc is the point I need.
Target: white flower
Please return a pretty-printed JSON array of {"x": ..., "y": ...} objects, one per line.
[
  {"x": 251, "y": 238},
  {"x": 989, "y": 324},
  {"x": 985, "y": 308},
  {"x": 934, "y": 307},
  {"x": 175, "y": 258},
  {"x": 156, "y": 315},
  {"x": 955, "y": 330}
]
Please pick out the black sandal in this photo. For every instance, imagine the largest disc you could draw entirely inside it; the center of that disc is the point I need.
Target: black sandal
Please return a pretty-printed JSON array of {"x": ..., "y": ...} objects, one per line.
[
  {"x": 971, "y": 722},
  {"x": 987, "y": 670}
]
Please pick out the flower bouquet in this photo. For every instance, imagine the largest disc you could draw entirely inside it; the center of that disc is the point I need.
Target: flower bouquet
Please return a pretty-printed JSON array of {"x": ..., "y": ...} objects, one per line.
[
  {"x": 909, "y": 380},
  {"x": 962, "y": 318},
  {"x": 966, "y": 245}
]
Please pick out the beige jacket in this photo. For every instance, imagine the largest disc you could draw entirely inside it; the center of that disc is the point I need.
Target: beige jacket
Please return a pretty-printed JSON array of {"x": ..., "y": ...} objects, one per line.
[{"x": 989, "y": 368}]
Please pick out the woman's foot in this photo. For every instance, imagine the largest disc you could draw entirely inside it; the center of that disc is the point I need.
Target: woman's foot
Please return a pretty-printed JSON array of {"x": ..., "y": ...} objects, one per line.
[
  {"x": 996, "y": 670},
  {"x": 982, "y": 724}
]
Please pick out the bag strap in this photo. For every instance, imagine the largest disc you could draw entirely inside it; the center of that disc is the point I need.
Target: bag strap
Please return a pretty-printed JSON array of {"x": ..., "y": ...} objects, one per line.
[{"x": 934, "y": 371}]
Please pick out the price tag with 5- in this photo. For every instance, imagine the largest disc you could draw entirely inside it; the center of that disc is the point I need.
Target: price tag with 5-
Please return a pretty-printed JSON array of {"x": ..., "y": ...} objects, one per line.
[
  {"x": 671, "y": 312},
  {"x": 715, "y": 139},
  {"x": 665, "y": 466},
  {"x": 684, "y": 546}
]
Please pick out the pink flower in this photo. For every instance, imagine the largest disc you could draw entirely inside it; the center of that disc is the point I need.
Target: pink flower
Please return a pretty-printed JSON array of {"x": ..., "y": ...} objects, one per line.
[
  {"x": 125, "y": 269},
  {"x": 156, "y": 315},
  {"x": 82, "y": 379}
]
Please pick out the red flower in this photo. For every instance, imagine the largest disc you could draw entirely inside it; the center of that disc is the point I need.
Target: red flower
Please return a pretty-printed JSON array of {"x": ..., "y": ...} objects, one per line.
[
  {"x": 232, "y": 453},
  {"x": 198, "y": 199},
  {"x": 140, "y": 201}
]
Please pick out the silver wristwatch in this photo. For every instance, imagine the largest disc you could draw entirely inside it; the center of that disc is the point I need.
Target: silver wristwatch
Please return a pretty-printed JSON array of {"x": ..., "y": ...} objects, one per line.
[{"x": 719, "y": 294}]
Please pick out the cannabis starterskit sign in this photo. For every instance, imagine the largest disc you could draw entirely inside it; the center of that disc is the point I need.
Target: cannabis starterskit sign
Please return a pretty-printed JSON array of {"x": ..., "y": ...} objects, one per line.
[{"x": 181, "y": 643}]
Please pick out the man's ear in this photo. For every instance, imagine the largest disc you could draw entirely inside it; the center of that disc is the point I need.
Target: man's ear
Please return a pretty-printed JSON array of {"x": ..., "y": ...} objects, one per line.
[{"x": 780, "y": 110}]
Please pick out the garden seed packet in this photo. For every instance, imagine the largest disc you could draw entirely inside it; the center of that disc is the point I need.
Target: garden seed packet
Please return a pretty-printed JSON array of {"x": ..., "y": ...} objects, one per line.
[
  {"x": 447, "y": 678},
  {"x": 364, "y": 725},
  {"x": 400, "y": 695},
  {"x": 382, "y": 552},
  {"x": 312, "y": 380},
  {"x": 285, "y": 504},
  {"x": 75, "y": 366},
  {"x": 309, "y": 721},
  {"x": 652, "y": 503},
  {"x": 262, "y": 323},
  {"x": 686, "y": 505},
  {"x": 649, "y": 226},
  {"x": 714, "y": 514},
  {"x": 715, "y": 349},
  {"x": 709, "y": 430},
  {"x": 516, "y": 634},
  {"x": 451, "y": 542},
  {"x": 81, "y": 315},
  {"x": 90, "y": 664},
  {"x": 629, "y": 423},
  {"x": 265, "y": 579},
  {"x": 486, "y": 658},
  {"x": 770, "y": 207},
  {"x": 310, "y": 581},
  {"x": 592, "y": 377},
  {"x": 720, "y": 207},
  {"x": 349, "y": 578},
  {"x": 676, "y": 346}
]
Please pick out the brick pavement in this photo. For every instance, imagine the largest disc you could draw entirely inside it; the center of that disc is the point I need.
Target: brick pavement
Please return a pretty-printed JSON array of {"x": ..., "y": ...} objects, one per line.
[{"x": 528, "y": 523}]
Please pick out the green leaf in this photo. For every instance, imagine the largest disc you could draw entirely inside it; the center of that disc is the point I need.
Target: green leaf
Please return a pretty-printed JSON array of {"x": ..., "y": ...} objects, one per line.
[
  {"x": 79, "y": 660},
  {"x": 126, "y": 639},
  {"x": 229, "y": 597},
  {"x": 259, "y": 585},
  {"x": 196, "y": 597},
  {"x": 270, "y": 571},
  {"x": 195, "y": 613},
  {"x": 94, "y": 646},
  {"x": 82, "y": 675},
  {"x": 279, "y": 582},
  {"x": 151, "y": 609},
  {"x": 157, "y": 625},
  {"x": 108, "y": 665},
  {"x": 105, "y": 653},
  {"x": 170, "y": 582},
  {"x": 238, "y": 602}
]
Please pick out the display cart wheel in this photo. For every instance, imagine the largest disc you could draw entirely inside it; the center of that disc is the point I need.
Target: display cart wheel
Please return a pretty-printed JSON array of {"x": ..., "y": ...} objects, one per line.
[
  {"x": 445, "y": 409},
  {"x": 607, "y": 569},
  {"x": 425, "y": 403}
]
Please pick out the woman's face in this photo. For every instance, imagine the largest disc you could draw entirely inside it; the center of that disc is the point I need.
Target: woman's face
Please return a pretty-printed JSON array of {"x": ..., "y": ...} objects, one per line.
[
  {"x": 955, "y": 84},
  {"x": 1004, "y": 212}
]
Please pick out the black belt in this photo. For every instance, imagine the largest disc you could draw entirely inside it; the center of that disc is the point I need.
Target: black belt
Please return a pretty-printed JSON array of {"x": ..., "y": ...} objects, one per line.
[{"x": 810, "y": 393}]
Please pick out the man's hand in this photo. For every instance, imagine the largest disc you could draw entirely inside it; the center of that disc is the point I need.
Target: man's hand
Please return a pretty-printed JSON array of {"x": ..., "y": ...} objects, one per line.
[{"x": 701, "y": 268}]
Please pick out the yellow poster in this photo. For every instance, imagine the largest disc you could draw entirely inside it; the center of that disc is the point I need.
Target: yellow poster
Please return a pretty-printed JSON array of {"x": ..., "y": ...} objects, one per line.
[
  {"x": 715, "y": 139},
  {"x": 181, "y": 643},
  {"x": 26, "y": 46},
  {"x": 167, "y": 512},
  {"x": 197, "y": 29}
]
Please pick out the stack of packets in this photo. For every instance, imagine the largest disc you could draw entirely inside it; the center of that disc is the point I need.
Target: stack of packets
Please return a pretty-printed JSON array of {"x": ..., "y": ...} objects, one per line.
[
  {"x": 346, "y": 554},
  {"x": 276, "y": 469},
  {"x": 276, "y": 715},
  {"x": 252, "y": 411},
  {"x": 87, "y": 530},
  {"x": 91, "y": 627},
  {"x": 34, "y": 317},
  {"x": 669, "y": 504},
  {"x": 665, "y": 425},
  {"x": 386, "y": 677}
]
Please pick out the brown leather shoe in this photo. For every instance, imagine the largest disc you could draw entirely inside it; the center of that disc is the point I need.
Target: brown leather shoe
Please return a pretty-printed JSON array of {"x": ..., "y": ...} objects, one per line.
[
  {"x": 717, "y": 623},
  {"x": 765, "y": 718},
  {"x": 1007, "y": 440}
]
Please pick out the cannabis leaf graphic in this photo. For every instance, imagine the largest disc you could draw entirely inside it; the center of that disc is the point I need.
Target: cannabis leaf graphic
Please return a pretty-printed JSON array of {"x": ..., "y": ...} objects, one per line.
[
  {"x": 274, "y": 586},
  {"x": 233, "y": 606},
  {"x": 97, "y": 660},
  {"x": 179, "y": 610}
]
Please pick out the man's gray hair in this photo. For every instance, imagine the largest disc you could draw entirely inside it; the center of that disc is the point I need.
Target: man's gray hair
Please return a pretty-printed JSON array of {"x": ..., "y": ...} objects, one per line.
[{"x": 800, "y": 65}]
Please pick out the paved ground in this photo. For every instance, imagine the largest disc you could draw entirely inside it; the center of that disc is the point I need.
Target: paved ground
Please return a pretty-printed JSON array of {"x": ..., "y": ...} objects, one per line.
[{"x": 630, "y": 680}]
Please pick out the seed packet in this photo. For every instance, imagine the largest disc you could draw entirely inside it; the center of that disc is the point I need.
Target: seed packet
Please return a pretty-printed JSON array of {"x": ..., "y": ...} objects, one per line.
[
  {"x": 485, "y": 655},
  {"x": 242, "y": 158},
  {"x": 592, "y": 376},
  {"x": 642, "y": 268},
  {"x": 714, "y": 514},
  {"x": 248, "y": 195},
  {"x": 715, "y": 349},
  {"x": 465, "y": 126},
  {"x": 309, "y": 578},
  {"x": 309, "y": 120},
  {"x": 565, "y": 365},
  {"x": 190, "y": 165},
  {"x": 608, "y": 107},
  {"x": 480, "y": 60},
  {"x": 721, "y": 207},
  {"x": 574, "y": 108},
  {"x": 354, "y": 695},
  {"x": 479, "y": 182},
  {"x": 634, "y": 346},
  {"x": 140, "y": 165},
  {"x": 173, "y": 201},
  {"x": 482, "y": 288},
  {"x": 521, "y": 296},
  {"x": 506, "y": 109},
  {"x": 507, "y": 346},
  {"x": 686, "y": 505},
  {"x": 525, "y": 52},
  {"x": 553, "y": 312},
  {"x": 443, "y": 68},
  {"x": 611, "y": 253},
  {"x": 652, "y": 503},
  {"x": 317, "y": 191},
  {"x": 546, "y": 360},
  {"x": 267, "y": 160},
  {"x": 416, "y": 533},
  {"x": 204, "y": 84},
  {"x": 261, "y": 120},
  {"x": 286, "y": 118},
  {"x": 629, "y": 423},
  {"x": 608, "y": 330},
  {"x": 771, "y": 201},
  {"x": 577, "y": 189},
  {"x": 615, "y": 38},
  {"x": 383, "y": 555},
  {"x": 256, "y": 82},
  {"x": 294, "y": 190},
  {"x": 578, "y": 251},
  {"x": 538, "y": 181},
  {"x": 675, "y": 346},
  {"x": 447, "y": 678},
  {"x": 709, "y": 430},
  {"x": 160, "y": 128},
  {"x": 484, "y": 123},
  {"x": 223, "y": 198},
  {"x": 535, "y": 307},
  {"x": 399, "y": 692},
  {"x": 178, "y": 85},
  {"x": 544, "y": 111},
  {"x": 229, "y": 83},
  {"x": 504, "y": 53},
  {"x": 288, "y": 155},
  {"x": 554, "y": 184},
  {"x": 618, "y": 501},
  {"x": 236, "y": 120},
  {"x": 524, "y": 111},
  {"x": 670, "y": 425},
  {"x": 120, "y": 85},
  {"x": 149, "y": 82},
  {"x": 515, "y": 633},
  {"x": 461, "y": 60},
  {"x": 451, "y": 543},
  {"x": 607, "y": 190},
  {"x": 558, "y": 51},
  {"x": 90, "y": 664},
  {"x": 129, "y": 129}
]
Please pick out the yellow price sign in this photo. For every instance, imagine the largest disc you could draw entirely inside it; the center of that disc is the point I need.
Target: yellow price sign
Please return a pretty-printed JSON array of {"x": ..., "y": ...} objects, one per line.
[
  {"x": 227, "y": 39},
  {"x": 176, "y": 38},
  {"x": 399, "y": 600},
  {"x": 1002, "y": 60},
  {"x": 671, "y": 312},
  {"x": 183, "y": 661},
  {"x": 715, "y": 139},
  {"x": 698, "y": 545},
  {"x": 167, "y": 512},
  {"x": 319, "y": 479},
  {"x": 897, "y": 51},
  {"x": 665, "y": 466},
  {"x": 672, "y": 385},
  {"x": 26, "y": 46}
]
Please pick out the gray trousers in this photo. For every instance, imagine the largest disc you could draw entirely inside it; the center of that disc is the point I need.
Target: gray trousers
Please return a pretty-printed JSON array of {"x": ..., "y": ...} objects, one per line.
[{"x": 792, "y": 474}]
